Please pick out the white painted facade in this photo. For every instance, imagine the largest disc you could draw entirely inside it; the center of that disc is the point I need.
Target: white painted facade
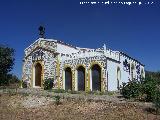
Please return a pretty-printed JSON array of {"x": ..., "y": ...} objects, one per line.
[{"x": 55, "y": 56}]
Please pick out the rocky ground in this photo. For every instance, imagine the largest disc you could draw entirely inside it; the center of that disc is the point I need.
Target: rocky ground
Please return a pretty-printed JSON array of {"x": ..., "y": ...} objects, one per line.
[{"x": 29, "y": 106}]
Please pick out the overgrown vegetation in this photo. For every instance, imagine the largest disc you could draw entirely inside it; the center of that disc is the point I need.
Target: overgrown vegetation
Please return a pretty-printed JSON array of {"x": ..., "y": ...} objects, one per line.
[
  {"x": 6, "y": 65},
  {"x": 13, "y": 79},
  {"x": 48, "y": 84},
  {"x": 24, "y": 84},
  {"x": 156, "y": 99},
  {"x": 141, "y": 90},
  {"x": 59, "y": 91},
  {"x": 57, "y": 99},
  {"x": 147, "y": 89}
]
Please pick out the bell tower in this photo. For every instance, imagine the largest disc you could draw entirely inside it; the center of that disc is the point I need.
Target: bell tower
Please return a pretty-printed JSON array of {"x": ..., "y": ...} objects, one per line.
[{"x": 41, "y": 31}]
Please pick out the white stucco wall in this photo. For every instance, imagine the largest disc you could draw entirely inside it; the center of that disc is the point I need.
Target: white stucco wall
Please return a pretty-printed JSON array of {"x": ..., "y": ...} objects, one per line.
[
  {"x": 61, "y": 48},
  {"x": 125, "y": 76},
  {"x": 112, "y": 75}
]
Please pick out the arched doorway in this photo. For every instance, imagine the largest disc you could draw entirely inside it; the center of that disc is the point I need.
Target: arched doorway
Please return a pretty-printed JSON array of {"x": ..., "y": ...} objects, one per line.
[
  {"x": 38, "y": 74},
  {"x": 81, "y": 78},
  {"x": 96, "y": 77},
  {"x": 68, "y": 79}
]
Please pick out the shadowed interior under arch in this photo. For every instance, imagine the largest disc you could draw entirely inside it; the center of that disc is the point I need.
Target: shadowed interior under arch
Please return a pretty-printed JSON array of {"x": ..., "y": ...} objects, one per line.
[
  {"x": 38, "y": 72},
  {"x": 68, "y": 79},
  {"x": 81, "y": 78},
  {"x": 96, "y": 77}
]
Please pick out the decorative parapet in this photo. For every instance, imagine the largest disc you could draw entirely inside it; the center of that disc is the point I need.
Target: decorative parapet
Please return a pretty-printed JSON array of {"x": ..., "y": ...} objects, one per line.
[
  {"x": 112, "y": 54},
  {"x": 115, "y": 55}
]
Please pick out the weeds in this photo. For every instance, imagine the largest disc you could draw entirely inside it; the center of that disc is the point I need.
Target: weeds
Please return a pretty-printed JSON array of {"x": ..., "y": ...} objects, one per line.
[
  {"x": 57, "y": 99},
  {"x": 59, "y": 91},
  {"x": 25, "y": 94},
  {"x": 11, "y": 92}
]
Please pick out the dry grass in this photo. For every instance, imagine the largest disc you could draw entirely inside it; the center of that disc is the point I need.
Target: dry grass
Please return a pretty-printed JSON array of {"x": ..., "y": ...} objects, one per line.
[{"x": 14, "y": 107}]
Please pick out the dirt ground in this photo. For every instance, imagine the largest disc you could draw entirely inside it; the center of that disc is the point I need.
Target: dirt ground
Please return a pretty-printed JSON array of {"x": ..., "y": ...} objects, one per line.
[{"x": 31, "y": 107}]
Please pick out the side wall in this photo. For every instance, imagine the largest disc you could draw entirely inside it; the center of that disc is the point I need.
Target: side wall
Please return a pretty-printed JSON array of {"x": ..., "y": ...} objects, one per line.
[
  {"x": 126, "y": 72},
  {"x": 112, "y": 75}
]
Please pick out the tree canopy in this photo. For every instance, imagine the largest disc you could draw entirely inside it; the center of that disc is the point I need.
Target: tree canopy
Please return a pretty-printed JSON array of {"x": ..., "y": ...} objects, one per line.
[{"x": 6, "y": 63}]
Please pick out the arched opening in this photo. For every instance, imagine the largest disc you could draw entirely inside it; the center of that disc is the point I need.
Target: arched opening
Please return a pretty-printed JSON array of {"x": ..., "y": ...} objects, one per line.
[
  {"x": 96, "y": 77},
  {"x": 38, "y": 74},
  {"x": 132, "y": 71},
  {"x": 81, "y": 78},
  {"x": 68, "y": 79},
  {"x": 118, "y": 77}
]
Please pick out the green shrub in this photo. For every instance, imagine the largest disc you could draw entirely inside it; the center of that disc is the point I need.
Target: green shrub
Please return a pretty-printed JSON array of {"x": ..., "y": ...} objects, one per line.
[
  {"x": 143, "y": 90},
  {"x": 20, "y": 83},
  {"x": 132, "y": 89},
  {"x": 97, "y": 92},
  {"x": 156, "y": 98},
  {"x": 24, "y": 84},
  {"x": 59, "y": 91},
  {"x": 48, "y": 84},
  {"x": 11, "y": 92},
  {"x": 8, "y": 79},
  {"x": 74, "y": 92},
  {"x": 25, "y": 93},
  {"x": 88, "y": 91},
  {"x": 57, "y": 99},
  {"x": 149, "y": 87},
  {"x": 13, "y": 79},
  {"x": 4, "y": 81},
  {"x": 110, "y": 93}
]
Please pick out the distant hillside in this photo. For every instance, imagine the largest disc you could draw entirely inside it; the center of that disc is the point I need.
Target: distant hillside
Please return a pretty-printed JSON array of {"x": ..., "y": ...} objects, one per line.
[{"x": 154, "y": 75}]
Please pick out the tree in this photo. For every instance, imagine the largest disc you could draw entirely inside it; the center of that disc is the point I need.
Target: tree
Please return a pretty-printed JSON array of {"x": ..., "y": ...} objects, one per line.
[
  {"x": 156, "y": 99},
  {"x": 6, "y": 63},
  {"x": 149, "y": 87},
  {"x": 12, "y": 78}
]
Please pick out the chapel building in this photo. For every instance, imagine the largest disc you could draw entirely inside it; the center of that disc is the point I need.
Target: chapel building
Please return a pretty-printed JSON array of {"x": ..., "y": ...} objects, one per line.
[{"x": 76, "y": 68}]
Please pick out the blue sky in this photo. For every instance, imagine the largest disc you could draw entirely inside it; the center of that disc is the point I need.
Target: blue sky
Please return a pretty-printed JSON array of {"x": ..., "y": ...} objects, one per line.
[{"x": 132, "y": 29}]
